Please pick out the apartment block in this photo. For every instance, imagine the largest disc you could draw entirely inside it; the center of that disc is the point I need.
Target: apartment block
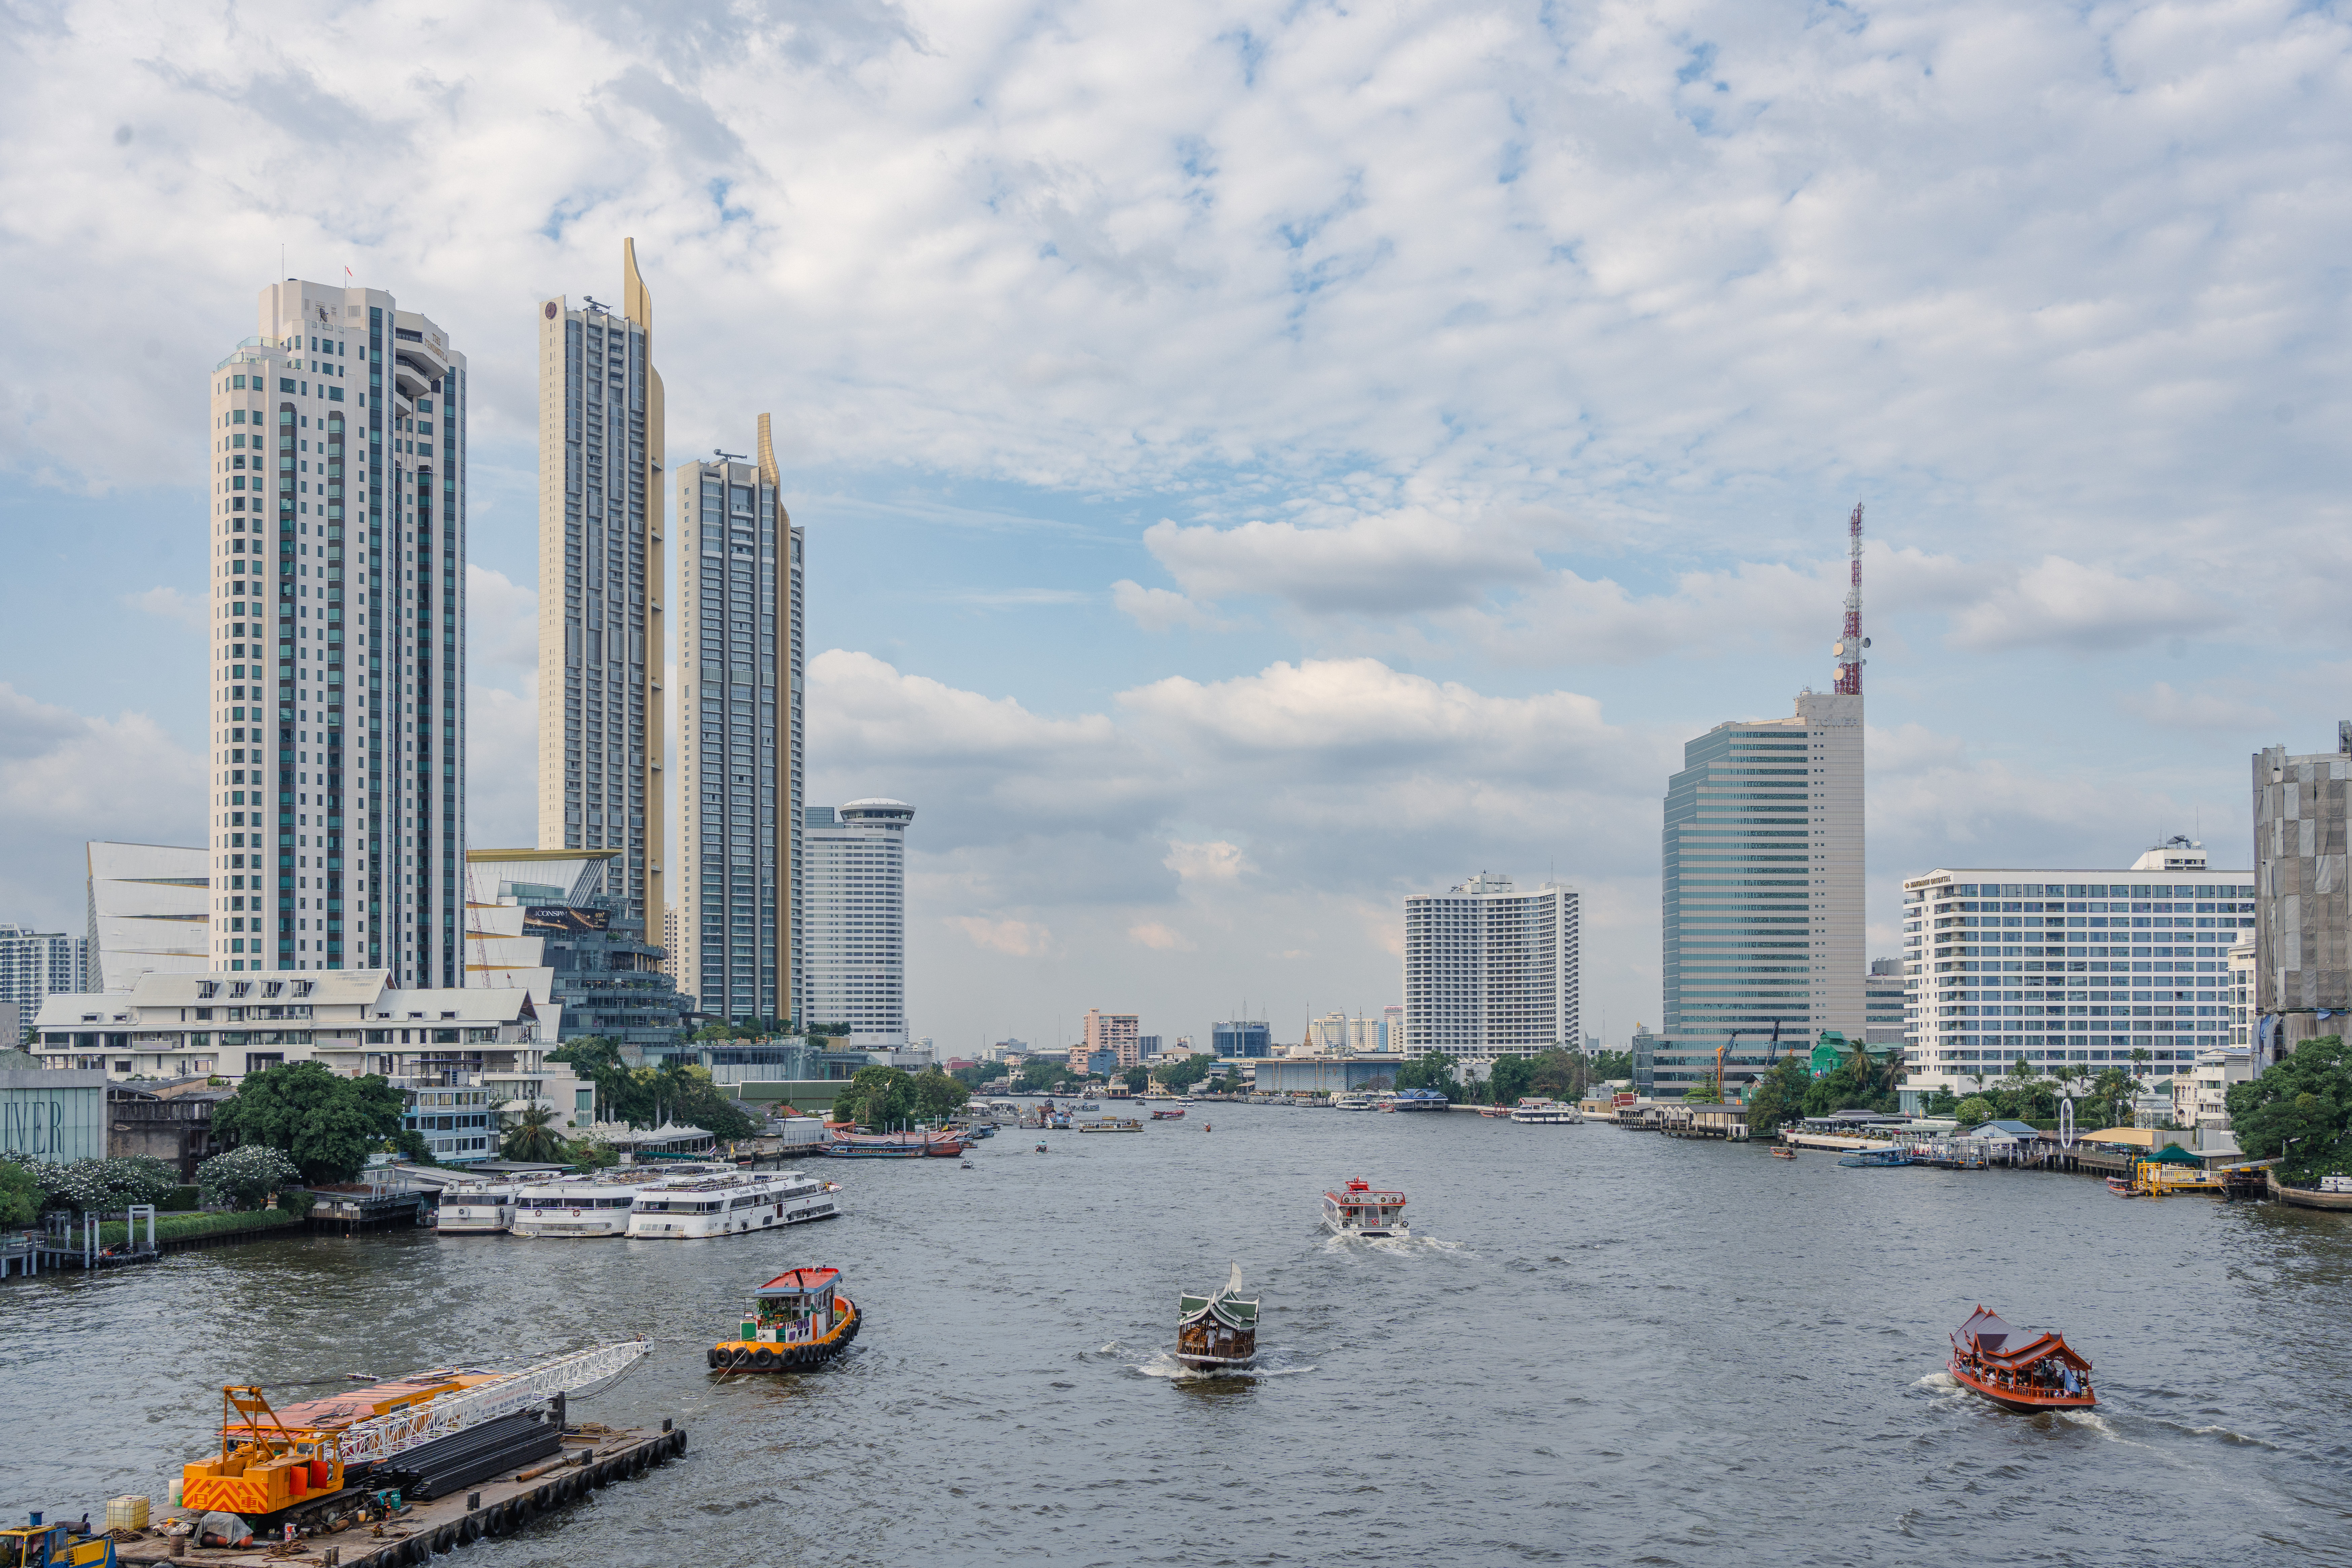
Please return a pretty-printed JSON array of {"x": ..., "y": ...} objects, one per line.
[
  {"x": 33, "y": 966},
  {"x": 853, "y": 959},
  {"x": 337, "y": 601},
  {"x": 2303, "y": 936},
  {"x": 1120, "y": 1034},
  {"x": 602, "y": 728},
  {"x": 1490, "y": 971}
]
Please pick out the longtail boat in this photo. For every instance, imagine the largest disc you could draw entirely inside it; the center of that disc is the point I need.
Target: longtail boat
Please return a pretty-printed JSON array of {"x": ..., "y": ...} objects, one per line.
[
  {"x": 1218, "y": 1332},
  {"x": 2017, "y": 1371},
  {"x": 798, "y": 1319}
]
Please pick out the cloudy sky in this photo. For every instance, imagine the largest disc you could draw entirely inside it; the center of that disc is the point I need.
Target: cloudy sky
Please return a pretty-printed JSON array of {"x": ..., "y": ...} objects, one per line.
[{"x": 1261, "y": 460}]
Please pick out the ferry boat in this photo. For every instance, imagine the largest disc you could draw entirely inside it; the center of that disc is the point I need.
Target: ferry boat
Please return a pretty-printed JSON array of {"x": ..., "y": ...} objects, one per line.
[
  {"x": 1175, "y": 1114},
  {"x": 1218, "y": 1332},
  {"x": 1417, "y": 1100},
  {"x": 1495, "y": 1112},
  {"x": 687, "y": 1208},
  {"x": 798, "y": 1319},
  {"x": 2018, "y": 1371},
  {"x": 1352, "y": 1102},
  {"x": 1359, "y": 1211},
  {"x": 476, "y": 1208},
  {"x": 854, "y": 1145},
  {"x": 578, "y": 1206},
  {"x": 1113, "y": 1124},
  {"x": 1546, "y": 1113},
  {"x": 1874, "y": 1159}
]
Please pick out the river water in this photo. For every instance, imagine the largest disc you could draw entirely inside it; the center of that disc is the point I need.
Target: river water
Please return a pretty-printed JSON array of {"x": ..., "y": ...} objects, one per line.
[{"x": 1599, "y": 1347}]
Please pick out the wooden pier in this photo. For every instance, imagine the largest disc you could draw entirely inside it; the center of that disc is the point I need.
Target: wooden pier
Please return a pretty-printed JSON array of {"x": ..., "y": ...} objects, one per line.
[
  {"x": 349, "y": 1208},
  {"x": 596, "y": 1458}
]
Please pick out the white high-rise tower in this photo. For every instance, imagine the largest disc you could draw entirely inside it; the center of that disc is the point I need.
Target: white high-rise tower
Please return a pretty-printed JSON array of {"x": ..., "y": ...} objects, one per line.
[{"x": 337, "y": 596}]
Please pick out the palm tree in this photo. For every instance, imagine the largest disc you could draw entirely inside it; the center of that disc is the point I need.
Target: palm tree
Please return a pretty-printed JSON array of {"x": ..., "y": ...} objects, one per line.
[{"x": 533, "y": 1138}]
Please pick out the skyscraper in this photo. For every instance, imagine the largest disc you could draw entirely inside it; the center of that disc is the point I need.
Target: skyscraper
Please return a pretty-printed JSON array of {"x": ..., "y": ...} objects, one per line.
[
  {"x": 853, "y": 962},
  {"x": 1490, "y": 971},
  {"x": 337, "y": 600},
  {"x": 2303, "y": 942},
  {"x": 600, "y": 729},
  {"x": 33, "y": 964},
  {"x": 740, "y": 676},
  {"x": 1762, "y": 873}
]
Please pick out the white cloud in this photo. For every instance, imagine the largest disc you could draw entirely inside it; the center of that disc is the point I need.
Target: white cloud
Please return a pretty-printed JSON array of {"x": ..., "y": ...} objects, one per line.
[
  {"x": 1016, "y": 939},
  {"x": 1392, "y": 564},
  {"x": 1213, "y": 861},
  {"x": 1156, "y": 609},
  {"x": 65, "y": 779},
  {"x": 171, "y": 605},
  {"x": 501, "y": 627},
  {"x": 2064, "y": 603},
  {"x": 2169, "y": 709},
  {"x": 1158, "y": 938}
]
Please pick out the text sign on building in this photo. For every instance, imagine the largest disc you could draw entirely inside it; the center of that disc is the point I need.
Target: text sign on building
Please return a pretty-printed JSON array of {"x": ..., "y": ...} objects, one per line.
[{"x": 562, "y": 919}]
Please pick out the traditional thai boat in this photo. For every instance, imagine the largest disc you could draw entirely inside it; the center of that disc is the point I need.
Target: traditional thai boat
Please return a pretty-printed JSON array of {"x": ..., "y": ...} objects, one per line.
[
  {"x": 798, "y": 1319},
  {"x": 1218, "y": 1332},
  {"x": 2017, "y": 1371},
  {"x": 1780, "y": 1151},
  {"x": 1359, "y": 1211}
]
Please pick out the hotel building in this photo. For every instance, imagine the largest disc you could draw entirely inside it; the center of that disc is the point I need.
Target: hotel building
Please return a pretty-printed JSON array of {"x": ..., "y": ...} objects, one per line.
[
  {"x": 741, "y": 669},
  {"x": 853, "y": 961},
  {"x": 1490, "y": 971},
  {"x": 600, "y": 569},
  {"x": 2080, "y": 969},
  {"x": 337, "y": 746}
]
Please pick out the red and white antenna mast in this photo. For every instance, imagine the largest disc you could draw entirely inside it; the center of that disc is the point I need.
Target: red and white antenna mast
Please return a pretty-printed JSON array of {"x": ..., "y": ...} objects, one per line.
[{"x": 1849, "y": 646}]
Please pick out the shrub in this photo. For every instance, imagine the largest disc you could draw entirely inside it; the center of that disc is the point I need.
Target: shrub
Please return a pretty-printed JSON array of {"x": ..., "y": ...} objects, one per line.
[
  {"x": 245, "y": 1176},
  {"x": 1972, "y": 1111},
  {"x": 105, "y": 1186}
]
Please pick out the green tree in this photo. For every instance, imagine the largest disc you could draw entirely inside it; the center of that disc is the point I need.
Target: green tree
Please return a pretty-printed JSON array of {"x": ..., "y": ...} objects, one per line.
[
  {"x": 2140, "y": 1057},
  {"x": 1183, "y": 1075},
  {"x": 328, "y": 1123},
  {"x": 682, "y": 1093},
  {"x": 2299, "y": 1112},
  {"x": 622, "y": 1094},
  {"x": 243, "y": 1177},
  {"x": 938, "y": 1096},
  {"x": 1514, "y": 1078},
  {"x": 533, "y": 1138},
  {"x": 2110, "y": 1096},
  {"x": 1039, "y": 1074},
  {"x": 880, "y": 1098},
  {"x": 21, "y": 1195},
  {"x": 1973, "y": 1110},
  {"x": 1608, "y": 1065},
  {"x": 1558, "y": 1074},
  {"x": 1780, "y": 1097},
  {"x": 1136, "y": 1078},
  {"x": 1433, "y": 1069}
]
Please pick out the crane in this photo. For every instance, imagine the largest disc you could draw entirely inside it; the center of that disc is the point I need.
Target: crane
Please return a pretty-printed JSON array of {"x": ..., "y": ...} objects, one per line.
[{"x": 1769, "y": 1058}]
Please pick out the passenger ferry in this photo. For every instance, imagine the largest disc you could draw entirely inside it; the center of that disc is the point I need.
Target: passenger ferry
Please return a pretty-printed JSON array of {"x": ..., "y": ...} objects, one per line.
[
  {"x": 1352, "y": 1102},
  {"x": 1359, "y": 1211},
  {"x": 476, "y": 1208},
  {"x": 592, "y": 1206},
  {"x": 1545, "y": 1112},
  {"x": 688, "y": 1208}
]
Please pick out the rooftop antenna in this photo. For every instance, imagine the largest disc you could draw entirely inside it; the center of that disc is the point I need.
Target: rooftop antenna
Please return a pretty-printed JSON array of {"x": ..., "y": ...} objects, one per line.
[
  {"x": 727, "y": 456},
  {"x": 1848, "y": 647},
  {"x": 596, "y": 305}
]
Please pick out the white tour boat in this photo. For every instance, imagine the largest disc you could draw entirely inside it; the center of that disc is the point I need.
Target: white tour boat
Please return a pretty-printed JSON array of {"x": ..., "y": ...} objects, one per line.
[
  {"x": 684, "y": 1208},
  {"x": 1352, "y": 1102},
  {"x": 594, "y": 1204},
  {"x": 1546, "y": 1112},
  {"x": 1359, "y": 1211},
  {"x": 476, "y": 1208}
]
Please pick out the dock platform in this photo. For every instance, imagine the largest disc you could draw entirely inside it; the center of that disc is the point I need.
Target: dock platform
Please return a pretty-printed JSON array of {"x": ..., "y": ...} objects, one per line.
[{"x": 594, "y": 1458}]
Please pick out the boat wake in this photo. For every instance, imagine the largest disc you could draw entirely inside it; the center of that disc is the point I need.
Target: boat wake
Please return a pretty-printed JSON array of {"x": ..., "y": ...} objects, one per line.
[
  {"x": 1396, "y": 1246},
  {"x": 1273, "y": 1363}
]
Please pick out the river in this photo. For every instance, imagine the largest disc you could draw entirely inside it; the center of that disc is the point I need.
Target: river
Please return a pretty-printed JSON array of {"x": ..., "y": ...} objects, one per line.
[{"x": 1599, "y": 1347}]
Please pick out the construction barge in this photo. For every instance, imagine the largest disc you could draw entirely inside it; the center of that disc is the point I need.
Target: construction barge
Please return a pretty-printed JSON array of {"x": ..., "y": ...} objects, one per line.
[{"x": 394, "y": 1471}]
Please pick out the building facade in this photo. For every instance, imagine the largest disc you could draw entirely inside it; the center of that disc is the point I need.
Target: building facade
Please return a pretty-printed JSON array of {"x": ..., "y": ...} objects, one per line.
[
  {"x": 337, "y": 601},
  {"x": 541, "y": 920},
  {"x": 1762, "y": 885},
  {"x": 602, "y": 734},
  {"x": 1490, "y": 971},
  {"x": 2302, "y": 934},
  {"x": 853, "y": 954},
  {"x": 1883, "y": 999},
  {"x": 32, "y": 965},
  {"x": 2080, "y": 970},
  {"x": 53, "y": 1116},
  {"x": 1243, "y": 1038},
  {"x": 150, "y": 911},
  {"x": 741, "y": 668},
  {"x": 1120, "y": 1034}
]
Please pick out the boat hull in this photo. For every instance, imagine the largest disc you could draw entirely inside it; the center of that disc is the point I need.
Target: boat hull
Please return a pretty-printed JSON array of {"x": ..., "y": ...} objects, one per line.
[
  {"x": 2306, "y": 1197},
  {"x": 2025, "y": 1402},
  {"x": 747, "y": 1355}
]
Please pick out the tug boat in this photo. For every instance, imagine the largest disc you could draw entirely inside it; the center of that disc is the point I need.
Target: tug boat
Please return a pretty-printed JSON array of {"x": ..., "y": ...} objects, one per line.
[
  {"x": 1359, "y": 1211},
  {"x": 1218, "y": 1332},
  {"x": 685, "y": 1208},
  {"x": 2018, "y": 1371},
  {"x": 798, "y": 1319}
]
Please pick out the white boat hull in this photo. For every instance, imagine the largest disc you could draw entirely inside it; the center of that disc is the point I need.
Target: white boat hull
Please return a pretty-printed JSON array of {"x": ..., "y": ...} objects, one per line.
[
  {"x": 708, "y": 1227},
  {"x": 1546, "y": 1117},
  {"x": 575, "y": 1224},
  {"x": 474, "y": 1219}
]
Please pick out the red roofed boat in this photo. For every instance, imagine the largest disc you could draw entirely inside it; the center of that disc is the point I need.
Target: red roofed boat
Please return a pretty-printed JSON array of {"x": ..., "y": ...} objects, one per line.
[
  {"x": 797, "y": 1320},
  {"x": 2017, "y": 1371}
]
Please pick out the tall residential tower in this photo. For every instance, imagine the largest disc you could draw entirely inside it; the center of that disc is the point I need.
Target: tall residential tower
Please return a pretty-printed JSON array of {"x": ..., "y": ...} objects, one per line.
[
  {"x": 601, "y": 569},
  {"x": 1490, "y": 971},
  {"x": 739, "y": 674},
  {"x": 1762, "y": 877},
  {"x": 337, "y": 601},
  {"x": 853, "y": 921}
]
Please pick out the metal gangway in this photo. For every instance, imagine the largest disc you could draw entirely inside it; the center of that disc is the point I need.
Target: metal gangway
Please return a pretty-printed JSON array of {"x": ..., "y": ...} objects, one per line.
[{"x": 380, "y": 1436}]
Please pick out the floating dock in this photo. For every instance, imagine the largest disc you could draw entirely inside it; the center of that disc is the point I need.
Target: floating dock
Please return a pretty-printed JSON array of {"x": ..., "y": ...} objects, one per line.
[{"x": 594, "y": 1458}]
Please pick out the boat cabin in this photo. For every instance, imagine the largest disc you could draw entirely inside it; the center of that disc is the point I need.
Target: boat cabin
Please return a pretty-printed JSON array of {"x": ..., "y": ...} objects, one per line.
[
  {"x": 1359, "y": 1208},
  {"x": 794, "y": 1307},
  {"x": 1219, "y": 1330}
]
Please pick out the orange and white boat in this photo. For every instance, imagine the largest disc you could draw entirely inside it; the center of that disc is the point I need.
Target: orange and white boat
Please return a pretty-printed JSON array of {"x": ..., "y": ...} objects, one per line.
[
  {"x": 1361, "y": 1211},
  {"x": 2017, "y": 1371}
]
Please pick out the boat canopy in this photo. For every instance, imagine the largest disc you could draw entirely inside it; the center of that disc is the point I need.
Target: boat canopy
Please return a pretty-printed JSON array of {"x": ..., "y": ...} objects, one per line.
[
  {"x": 1228, "y": 1306},
  {"x": 799, "y": 1282},
  {"x": 2003, "y": 1348},
  {"x": 2174, "y": 1154}
]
